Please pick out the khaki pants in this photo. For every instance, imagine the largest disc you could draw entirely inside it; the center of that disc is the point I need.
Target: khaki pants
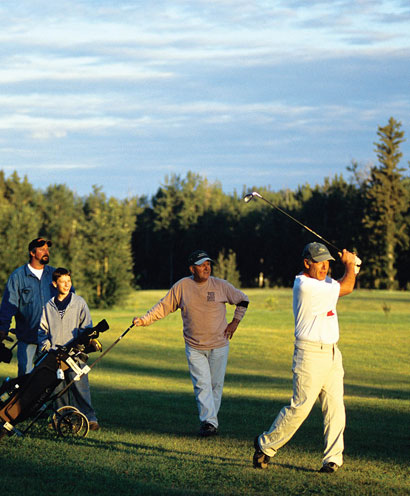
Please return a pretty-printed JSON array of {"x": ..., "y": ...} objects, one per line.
[{"x": 317, "y": 372}]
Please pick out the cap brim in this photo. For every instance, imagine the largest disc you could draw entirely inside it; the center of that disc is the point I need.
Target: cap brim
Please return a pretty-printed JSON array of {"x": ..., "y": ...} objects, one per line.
[
  {"x": 202, "y": 260},
  {"x": 322, "y": 258}
]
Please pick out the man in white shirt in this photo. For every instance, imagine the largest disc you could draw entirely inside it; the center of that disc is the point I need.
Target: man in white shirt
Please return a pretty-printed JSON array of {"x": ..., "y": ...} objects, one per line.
[{"x": 317, "y": 361}]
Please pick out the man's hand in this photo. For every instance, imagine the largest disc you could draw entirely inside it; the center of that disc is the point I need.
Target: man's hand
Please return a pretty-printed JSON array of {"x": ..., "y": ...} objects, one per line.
[
  {"x": 231, "y": 328},
  {"x": 347, "y": 282},
  {"x": 137, "y": 321},
  {"x": 348, "y": 258}
]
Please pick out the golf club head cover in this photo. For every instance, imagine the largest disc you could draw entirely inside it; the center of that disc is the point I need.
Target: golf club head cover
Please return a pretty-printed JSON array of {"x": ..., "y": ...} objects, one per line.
[
  {"x": 5, "y": 353},
  {"x": 93, "y": 332},
  {"x": 102, "y": 326},
  {"x": 92, "y": 346}
]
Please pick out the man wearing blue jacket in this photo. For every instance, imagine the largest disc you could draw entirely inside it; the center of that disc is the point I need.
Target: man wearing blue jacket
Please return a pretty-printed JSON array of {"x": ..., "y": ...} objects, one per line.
[{"x": 27, "y": 290}]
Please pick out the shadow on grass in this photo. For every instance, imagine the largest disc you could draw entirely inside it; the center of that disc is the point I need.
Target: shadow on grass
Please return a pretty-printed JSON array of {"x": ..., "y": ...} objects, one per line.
[
  {"x": 378, "y": 433},
  {"x": 375, "y": 392},
  {"x": 141, "y": 472},
  {"x": 245, "y": 380},
  {"x": 140, "y": 467},
  {"x": 373, "y": 432}
]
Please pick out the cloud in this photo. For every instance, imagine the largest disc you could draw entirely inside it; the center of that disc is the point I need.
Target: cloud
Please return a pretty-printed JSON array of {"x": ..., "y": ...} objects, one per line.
[
  {"x": 46, "y": 117},
  {"x": 127, "y": 42},
  {"x": 208, "y": 85},
  {"x": 52, "y": 68},
  {"x": 49, "y": 167}
]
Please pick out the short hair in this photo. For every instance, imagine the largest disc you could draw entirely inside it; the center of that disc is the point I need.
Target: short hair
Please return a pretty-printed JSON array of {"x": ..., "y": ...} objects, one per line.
[{"x": 60, "y": 271}]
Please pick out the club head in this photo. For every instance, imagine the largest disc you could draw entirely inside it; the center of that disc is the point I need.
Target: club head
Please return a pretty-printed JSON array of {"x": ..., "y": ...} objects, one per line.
[
  {"x": 247, "y": 198},
  {"x": 250, "y": 196}
]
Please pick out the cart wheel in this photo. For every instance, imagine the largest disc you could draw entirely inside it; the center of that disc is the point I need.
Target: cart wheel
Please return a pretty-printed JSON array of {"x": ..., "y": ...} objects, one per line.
[
  {"x": 73, "y": 423},
  {"x": 58, "y": 414}
]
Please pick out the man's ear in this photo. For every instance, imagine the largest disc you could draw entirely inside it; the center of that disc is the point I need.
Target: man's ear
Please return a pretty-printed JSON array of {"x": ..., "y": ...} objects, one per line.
[
  {"x": 54, "y": 284},
  {"x": 306, "y": 263},
  {"x": 191, "y": 269}
]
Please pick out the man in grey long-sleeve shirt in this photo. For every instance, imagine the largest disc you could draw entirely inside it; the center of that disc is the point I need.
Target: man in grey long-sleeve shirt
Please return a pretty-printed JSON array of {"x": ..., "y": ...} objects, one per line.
[{"x": 202, "y": 299}]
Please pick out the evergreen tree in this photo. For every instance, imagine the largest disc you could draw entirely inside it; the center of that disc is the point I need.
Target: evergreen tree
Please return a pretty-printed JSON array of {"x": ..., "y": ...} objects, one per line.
[
  {"x": 20, "y": 221},
  {"x": 225, "y": 268},
  {"x": 386, "y": 202},
  {"x": 101, "y": 254},
  {"x": 62, "y": 216},
  {"x": 178, "y": 207},
  {"x": 403, "y": 253}
]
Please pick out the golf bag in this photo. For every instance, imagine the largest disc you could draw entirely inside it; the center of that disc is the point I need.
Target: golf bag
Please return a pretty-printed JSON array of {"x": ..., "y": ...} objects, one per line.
[{"x": 31, "y": 394}]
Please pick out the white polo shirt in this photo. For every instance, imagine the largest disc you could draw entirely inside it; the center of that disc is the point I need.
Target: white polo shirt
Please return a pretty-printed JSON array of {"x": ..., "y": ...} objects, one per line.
[{"x": 314, "y": 308}]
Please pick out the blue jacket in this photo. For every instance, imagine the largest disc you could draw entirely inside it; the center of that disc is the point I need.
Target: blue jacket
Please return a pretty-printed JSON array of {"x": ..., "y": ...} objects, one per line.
[{"x": 24, "y": 298}]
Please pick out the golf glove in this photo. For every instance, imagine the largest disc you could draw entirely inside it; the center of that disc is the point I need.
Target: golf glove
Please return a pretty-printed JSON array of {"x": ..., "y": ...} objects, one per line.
[{"x": 357, "y": 265}]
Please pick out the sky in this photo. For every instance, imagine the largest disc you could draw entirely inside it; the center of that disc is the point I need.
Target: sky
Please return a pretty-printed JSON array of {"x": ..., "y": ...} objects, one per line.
[{"x": 122, "y": 94}]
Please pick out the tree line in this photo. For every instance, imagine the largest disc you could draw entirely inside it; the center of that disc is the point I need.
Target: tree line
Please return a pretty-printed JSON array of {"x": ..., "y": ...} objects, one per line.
[{"x": 111, "y": 245}]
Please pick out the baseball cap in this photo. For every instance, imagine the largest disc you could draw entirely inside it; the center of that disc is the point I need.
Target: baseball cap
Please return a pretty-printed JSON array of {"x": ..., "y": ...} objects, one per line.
[
  {"x": 37, "y": 243},
  {"x": 316, "y": 252},
  {"x": 198, "y": 257}
]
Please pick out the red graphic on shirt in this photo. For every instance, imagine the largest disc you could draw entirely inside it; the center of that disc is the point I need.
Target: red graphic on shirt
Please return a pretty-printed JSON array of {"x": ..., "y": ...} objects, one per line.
[{"x": 330, "y": 313}]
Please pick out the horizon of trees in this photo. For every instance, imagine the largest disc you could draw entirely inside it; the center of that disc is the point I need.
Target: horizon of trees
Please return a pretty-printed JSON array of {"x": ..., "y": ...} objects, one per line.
[{"x": 112, "y": 245}]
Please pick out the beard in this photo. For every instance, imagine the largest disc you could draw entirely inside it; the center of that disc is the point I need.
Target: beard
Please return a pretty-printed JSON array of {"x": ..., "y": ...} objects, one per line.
[{"x": 44, "y": 260}]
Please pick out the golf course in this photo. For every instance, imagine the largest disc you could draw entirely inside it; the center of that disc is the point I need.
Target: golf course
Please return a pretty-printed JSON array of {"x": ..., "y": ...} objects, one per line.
[{"x": 149, "y": 444}]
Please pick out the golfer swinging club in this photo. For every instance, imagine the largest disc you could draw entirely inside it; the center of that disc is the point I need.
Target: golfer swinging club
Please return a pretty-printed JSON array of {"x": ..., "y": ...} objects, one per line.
[
  {"x": 202, "y": 299},
  {"x": 317, "y": 361}
]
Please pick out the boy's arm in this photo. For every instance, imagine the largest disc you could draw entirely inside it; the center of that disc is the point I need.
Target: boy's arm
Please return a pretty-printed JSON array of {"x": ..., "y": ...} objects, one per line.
[{"x": 85, "y": 318}]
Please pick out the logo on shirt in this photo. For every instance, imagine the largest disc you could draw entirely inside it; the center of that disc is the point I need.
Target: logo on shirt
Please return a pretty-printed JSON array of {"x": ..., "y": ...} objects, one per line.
[
  {"x": 330, "y": 313},
  {"x": 211, "y": 296}
]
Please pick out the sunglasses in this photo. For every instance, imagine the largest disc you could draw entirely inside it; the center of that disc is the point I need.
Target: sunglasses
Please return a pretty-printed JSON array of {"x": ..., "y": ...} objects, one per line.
[{"x": 43, "y": 242}]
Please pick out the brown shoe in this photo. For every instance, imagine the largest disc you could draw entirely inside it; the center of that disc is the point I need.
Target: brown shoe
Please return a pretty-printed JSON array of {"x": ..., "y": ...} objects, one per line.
[
  {"x": 260, "y": 460},
  {"x": 329, "y": 468},
  {"x": 94, "y": 426},
  {"x": 207, "y": 430}
]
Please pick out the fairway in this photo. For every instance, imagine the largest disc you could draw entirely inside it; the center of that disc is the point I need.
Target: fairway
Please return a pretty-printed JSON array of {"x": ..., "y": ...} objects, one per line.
[{"x": 148, "y": 444}]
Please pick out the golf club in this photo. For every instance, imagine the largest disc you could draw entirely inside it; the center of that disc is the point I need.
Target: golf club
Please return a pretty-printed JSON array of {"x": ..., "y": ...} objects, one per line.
[
  {"x": 250, "y": 196},
  {"x": 101, "y": 326}
]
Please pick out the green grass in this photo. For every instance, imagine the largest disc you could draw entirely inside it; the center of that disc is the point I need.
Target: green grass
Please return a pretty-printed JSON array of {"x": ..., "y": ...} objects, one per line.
[{"x": 148, "y": 444}]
